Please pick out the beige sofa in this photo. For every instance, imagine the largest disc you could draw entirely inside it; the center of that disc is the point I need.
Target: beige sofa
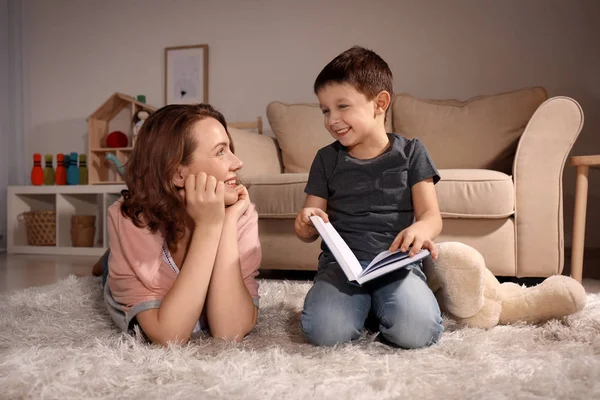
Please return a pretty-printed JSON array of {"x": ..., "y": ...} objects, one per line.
[{"x": 500, "y": 158}]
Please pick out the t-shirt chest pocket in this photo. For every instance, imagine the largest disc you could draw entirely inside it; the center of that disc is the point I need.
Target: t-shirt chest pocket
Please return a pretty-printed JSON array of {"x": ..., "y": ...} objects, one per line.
[
  {"x": 395, "y": 190},
  {"x": 394, "y": 179}
]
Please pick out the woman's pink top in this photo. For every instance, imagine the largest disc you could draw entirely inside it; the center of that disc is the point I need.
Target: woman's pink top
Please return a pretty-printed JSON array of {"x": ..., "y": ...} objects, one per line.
[{"x": 141, "y": 269}]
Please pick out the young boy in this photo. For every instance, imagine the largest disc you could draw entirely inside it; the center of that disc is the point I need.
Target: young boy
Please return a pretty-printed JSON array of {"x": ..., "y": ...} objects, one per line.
[{"x": 377, "y": 190}]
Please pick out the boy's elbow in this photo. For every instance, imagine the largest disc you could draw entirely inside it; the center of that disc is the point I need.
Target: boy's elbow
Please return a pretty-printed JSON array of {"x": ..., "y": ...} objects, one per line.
[
  {"x": 439, "y": 220},
  {"x": 440, "y": 225}
]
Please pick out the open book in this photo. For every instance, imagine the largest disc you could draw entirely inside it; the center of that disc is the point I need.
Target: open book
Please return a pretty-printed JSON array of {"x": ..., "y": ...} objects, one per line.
[{"x": 386, "y": 261}]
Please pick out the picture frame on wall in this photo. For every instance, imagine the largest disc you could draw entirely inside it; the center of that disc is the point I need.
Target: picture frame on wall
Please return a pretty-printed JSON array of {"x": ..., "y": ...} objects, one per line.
[{"x": 186, "y": 74}]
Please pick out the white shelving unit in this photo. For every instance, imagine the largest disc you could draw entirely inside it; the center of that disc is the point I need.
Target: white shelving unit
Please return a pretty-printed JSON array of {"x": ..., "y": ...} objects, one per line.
[{"x": 66, "y": 201}]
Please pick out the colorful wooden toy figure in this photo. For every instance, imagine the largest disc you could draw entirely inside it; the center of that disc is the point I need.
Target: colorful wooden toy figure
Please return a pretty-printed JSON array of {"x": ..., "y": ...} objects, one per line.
[
  {"x": 37, "y": 173},
  {"x": 83, "y": 171},
  {"x": 72, "y": 170},
  {"x": 49, "y": 171},
  {"x": 61, "y": 170},
  {"x": 67, "y": 161}
]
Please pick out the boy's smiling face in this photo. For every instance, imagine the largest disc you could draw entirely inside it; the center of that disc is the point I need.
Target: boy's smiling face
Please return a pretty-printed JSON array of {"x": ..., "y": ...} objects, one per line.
[{"x": 350, "y": 117}]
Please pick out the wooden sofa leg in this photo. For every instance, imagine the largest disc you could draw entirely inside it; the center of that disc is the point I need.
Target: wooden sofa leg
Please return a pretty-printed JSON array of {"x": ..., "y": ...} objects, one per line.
[{"x": 581, "y": 192}]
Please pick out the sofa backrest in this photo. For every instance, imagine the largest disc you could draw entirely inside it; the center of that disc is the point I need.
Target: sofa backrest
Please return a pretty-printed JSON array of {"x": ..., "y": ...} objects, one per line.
[
  {"x": 300, "y": 133},
  {"x": 258, "y": 152},
  {"x": 482, "y": 132}
]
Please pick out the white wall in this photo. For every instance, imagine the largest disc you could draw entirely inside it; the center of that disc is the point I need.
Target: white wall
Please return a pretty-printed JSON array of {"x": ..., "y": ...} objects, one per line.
[
  {"x": 12, "y": 166},
  {"x": 77, "y": 52},
  {"x": 3, "y": 118}
]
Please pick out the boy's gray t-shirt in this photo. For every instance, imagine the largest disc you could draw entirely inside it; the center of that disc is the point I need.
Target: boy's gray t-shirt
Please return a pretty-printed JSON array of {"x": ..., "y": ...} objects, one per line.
[{"x": 369, "y": 201}]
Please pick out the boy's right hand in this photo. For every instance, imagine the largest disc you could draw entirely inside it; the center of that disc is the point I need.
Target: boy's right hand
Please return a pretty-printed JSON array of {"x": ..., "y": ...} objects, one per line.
[
  {"x": 304, "y": 227},
  {"x": 205, "y": 199}
]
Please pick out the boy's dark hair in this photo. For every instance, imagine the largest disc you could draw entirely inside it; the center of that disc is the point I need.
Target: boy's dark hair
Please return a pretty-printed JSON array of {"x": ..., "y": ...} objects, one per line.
[{"x": 362, "y": 68}]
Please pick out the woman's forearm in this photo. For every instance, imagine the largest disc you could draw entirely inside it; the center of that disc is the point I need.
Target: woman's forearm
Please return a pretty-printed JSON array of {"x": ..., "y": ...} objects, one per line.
[
  {"x": 181, "y": 308},
  {"x": 230, "y": 310}
]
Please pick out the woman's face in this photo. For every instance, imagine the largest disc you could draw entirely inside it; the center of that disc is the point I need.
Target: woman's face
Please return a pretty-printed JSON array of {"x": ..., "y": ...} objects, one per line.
[{"x": 214, "y": 157}]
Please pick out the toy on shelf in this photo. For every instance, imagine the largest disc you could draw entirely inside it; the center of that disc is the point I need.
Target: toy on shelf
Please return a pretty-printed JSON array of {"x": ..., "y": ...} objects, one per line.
[
  {"x": 117, "y": 139},
  {"x": 61, "y": 171},
  {"x": 72, "y": 170},
  {"x": 83, "y": 171},
  {"x": 142, "y": 117},
  {"x": 37, "y": 173},
  {"x": 110, "y": 157},
  {"x": 119, "y": 113},
  {"x": 49, "y": 171}
]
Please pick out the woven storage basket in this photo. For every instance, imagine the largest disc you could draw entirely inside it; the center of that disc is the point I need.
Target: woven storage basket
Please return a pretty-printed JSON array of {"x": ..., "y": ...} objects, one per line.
[
  {"x": 41, "y": 227},
  {"x": 83, "y": 230}
]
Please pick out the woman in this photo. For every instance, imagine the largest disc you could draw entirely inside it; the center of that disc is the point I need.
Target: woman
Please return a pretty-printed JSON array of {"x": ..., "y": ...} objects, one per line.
[{"x": 183, "y": 239}]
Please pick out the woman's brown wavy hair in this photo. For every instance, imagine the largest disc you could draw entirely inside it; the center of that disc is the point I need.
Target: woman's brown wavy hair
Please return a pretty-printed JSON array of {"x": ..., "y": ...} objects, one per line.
[{"x": 164, "y": 142}]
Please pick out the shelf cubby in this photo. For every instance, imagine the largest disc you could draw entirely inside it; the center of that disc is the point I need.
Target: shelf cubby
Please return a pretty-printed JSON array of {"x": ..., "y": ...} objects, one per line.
[
  {"x": 68, "y": 205},
  {"x": 24, "y": 202},
  {"x": 66, "y": 201}
]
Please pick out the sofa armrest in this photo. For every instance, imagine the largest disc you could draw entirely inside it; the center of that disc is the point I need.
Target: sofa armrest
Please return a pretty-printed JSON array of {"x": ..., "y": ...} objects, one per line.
[
  {"x": 259, "y": 153},
  {"x": 537, "y": 173}
]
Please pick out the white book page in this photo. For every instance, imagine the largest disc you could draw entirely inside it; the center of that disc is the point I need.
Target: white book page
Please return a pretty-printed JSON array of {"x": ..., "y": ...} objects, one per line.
[
  {"x": 376, "y": 272},
  {"x": 381, "y": 256},
  {"x": 338, "y": 247}
]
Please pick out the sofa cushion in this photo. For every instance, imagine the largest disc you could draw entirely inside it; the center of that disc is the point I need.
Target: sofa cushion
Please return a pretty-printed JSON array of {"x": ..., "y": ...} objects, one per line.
[
  {"x": 481, "y": 194},
  {"x": 300, "y": 133},
  {"x": 277, "y": 196},
  {"x": 258, "y": 152},
  {"x": 482, "y": 132},
  {"x": 475, "y": 193}
]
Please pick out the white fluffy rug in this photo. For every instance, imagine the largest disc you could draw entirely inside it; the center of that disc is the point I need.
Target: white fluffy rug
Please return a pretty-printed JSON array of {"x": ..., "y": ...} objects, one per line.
[{"x": 58, "y": 342}]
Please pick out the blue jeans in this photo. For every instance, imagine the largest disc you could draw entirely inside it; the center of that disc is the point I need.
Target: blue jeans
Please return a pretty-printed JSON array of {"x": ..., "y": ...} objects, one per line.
[{"x": 335, "y": 310}]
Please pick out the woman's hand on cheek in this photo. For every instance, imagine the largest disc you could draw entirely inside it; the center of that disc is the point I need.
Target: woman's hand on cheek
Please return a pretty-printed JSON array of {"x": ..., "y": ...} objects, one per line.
[
  {"x": 237, "y": 209},
  {"x": 204, "y": 198}
]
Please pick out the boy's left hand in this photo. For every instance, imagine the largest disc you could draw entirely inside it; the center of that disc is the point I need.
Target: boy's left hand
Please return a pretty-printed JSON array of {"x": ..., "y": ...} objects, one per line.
[
  {"x": 241, "y": 205},
  {"x": 415, "y": 237}
]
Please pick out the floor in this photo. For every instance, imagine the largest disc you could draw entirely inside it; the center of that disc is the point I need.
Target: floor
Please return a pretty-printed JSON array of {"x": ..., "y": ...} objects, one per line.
[
  {"x": 23, "y": 271},
  {"x": 19, "y": 271}
]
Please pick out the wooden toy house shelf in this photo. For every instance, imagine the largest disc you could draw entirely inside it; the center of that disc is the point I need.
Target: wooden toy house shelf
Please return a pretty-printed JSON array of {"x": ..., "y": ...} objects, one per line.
[{"x": 119, "y": 112}]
